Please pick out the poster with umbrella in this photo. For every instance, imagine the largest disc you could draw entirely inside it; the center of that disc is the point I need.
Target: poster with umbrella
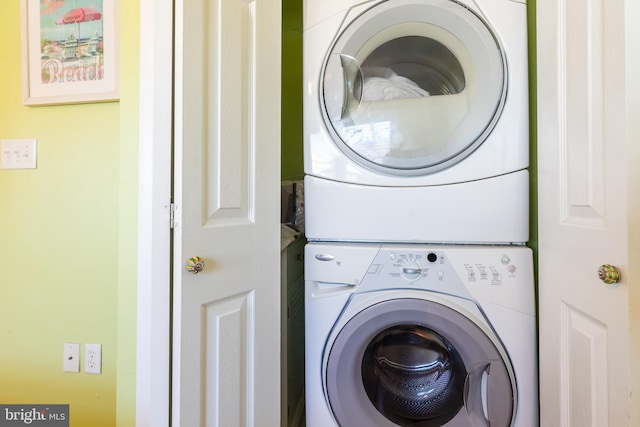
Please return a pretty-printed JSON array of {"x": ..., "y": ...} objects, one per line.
[
  {"x": 70, "y": 50},
  {"x": 77, "y": 16}
]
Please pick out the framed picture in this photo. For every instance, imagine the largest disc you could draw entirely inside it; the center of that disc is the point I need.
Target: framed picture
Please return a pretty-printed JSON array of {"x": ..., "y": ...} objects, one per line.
[{"x": 70, "y": 51}]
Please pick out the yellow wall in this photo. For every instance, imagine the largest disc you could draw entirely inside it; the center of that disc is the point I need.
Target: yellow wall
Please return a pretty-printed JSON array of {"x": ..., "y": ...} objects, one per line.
[{"x": 68, "y": 240}]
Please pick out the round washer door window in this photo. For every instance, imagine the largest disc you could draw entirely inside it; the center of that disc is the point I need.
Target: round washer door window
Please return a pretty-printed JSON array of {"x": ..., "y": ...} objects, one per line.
[
  {"x": 420, "y": 363},
  {"x": 413, "y": 373},
  {"x": 412, "y": 87}
]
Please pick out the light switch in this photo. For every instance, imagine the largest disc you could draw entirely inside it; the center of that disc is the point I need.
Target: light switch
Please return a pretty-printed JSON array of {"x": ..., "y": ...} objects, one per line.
[{"x": 18, "y": 154}]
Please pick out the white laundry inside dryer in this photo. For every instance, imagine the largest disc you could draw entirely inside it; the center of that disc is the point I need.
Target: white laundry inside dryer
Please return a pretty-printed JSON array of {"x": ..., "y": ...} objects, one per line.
[{"x": 382, "y": 84}]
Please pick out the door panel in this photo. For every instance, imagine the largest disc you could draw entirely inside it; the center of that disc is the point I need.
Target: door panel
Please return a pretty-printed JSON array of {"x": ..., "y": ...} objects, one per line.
[
  {"x": 226, "y": 355},
  {"x": 583, "y": 119},
  {"x": 583, "y": 346},
  {"x": 227, "y": 130},
  {"x": 227, "y": 338},
  {"x": 229, "y": 34},
  {"x": 584, "y": 335}
]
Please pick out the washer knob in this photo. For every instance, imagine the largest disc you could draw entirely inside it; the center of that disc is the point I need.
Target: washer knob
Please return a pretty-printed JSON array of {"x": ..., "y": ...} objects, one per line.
[{"x": 411, "y": 270}]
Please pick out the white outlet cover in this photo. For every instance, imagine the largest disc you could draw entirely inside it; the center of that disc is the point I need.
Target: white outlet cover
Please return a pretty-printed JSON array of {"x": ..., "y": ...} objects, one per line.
[
  {"x": 71, "y": 357},
  {"x": 93, "y": 358}
]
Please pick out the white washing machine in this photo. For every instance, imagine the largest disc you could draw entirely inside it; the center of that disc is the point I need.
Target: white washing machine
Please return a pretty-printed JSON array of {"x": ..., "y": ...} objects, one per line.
[
  {"x": 420, "y": 335},
  {"x": 416, "y": 120}
]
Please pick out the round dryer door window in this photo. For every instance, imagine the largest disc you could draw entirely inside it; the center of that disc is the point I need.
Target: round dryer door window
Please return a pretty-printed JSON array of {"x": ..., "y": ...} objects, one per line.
[
  {"x": 417, "y": 362},
  {"x": 412, "y": 87}
]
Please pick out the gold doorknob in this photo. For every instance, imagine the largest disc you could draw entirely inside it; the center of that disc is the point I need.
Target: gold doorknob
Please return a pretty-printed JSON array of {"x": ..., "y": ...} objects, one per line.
[
  {"x": 609, "y": 274},
  {"x": 195, "y": 265}
]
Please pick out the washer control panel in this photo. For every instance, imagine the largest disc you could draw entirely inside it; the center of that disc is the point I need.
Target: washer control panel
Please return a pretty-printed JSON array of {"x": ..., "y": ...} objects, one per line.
[
  {"x": 417, "y": 265},
  {"x": 413, "y": 266},
  {"x": 499, "y": 274}
]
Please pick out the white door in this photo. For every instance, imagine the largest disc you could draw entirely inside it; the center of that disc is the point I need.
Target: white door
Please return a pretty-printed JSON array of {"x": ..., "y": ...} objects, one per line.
[
  {"x": 226, "y": 357},
  {"x": 587, "y": 138}
]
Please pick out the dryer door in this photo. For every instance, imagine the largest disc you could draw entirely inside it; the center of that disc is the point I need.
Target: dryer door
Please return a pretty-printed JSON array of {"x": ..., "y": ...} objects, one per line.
[
  {"x": 412, "y": 87},
  {"x": 420, "y": 363}
]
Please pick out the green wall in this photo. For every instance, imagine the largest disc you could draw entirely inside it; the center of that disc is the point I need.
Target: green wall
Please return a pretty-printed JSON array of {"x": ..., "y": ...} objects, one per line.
[
  {"x": 68, "y": 240},
  {"x": 291, "y": 153}
]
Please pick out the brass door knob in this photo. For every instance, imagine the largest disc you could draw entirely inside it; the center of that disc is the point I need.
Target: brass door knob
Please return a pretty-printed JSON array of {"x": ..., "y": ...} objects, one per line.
[
  {"x": 609, "y": 274},
  {"x": 195, "y": 265}
]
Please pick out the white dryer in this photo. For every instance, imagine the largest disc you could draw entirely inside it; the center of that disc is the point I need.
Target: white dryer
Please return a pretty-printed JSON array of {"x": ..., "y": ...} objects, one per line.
[
  {"x": 420, "y": 335},
  {"x": 416, "y": 120}
]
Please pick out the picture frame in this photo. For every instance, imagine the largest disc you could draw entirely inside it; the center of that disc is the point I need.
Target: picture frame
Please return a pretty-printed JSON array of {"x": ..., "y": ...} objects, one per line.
[{"x": 70, "y": 51}]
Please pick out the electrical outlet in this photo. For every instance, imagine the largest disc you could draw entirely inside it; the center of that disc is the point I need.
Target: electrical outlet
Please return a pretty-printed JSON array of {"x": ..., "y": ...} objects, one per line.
[
  {"x": 71, "y": 357},
  {"x": 93, "y": 358},
  {"x": 18, "y": 154}
]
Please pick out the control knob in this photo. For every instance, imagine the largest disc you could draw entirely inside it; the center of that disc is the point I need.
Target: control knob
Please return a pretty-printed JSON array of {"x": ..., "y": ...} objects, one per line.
[{"x": 411, "y": 270}]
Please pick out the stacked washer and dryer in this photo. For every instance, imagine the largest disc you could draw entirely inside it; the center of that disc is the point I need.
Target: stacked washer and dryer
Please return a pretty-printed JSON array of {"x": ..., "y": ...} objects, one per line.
[{"x": 419, "y": 292}]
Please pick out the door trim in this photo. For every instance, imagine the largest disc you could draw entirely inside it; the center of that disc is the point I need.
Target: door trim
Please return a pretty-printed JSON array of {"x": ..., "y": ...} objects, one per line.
[{"x": 154, "y": 197}]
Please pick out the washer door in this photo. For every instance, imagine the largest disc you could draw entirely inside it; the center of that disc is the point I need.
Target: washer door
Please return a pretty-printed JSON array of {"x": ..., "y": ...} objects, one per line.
[
  {"x": 412, "y": 87},
  {"x": 419, "y": 363}
]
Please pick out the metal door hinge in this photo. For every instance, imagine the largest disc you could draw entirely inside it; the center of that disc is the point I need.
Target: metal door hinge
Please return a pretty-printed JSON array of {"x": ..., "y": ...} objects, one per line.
[{"x": 172, "y": 215}]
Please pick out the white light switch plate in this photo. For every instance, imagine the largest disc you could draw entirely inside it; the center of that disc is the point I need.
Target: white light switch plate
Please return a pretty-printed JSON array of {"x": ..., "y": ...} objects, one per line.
[{"x": 18, "y": 154}]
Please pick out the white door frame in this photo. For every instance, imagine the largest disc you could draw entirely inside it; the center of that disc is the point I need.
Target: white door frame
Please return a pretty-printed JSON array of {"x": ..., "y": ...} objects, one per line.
[{"x": 154, "y": 187}]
